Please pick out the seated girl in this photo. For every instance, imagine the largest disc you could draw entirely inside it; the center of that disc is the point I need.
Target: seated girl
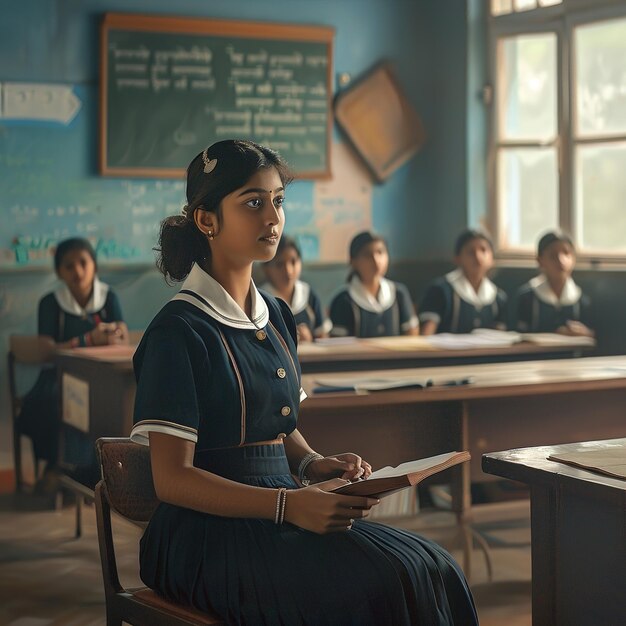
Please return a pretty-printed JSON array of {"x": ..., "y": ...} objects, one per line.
[
  {"x": 283, "y": 275},
  {"x": 465, "y": 298},
  {"x": 82, "y": 311},
  {"x": 370, "y": 305},
  {"x": 552, "y": 302}
]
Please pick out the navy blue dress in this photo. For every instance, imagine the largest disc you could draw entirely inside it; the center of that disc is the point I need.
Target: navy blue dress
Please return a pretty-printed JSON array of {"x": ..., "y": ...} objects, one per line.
[
  {"x": 356, "y": 313},
  {"x": 540, "y": 311},
  {"x": 61, "y": 318},
  {"x": 207, "y": 374},
  {"x": 452, "y": 303},
  {"x": 306, "y": 307}
]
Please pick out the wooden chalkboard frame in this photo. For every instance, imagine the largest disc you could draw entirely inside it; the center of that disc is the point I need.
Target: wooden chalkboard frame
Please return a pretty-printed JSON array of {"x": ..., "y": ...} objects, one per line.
[
  {"x": 379, "y": 121},
  {"x": 206, "y": 26}
]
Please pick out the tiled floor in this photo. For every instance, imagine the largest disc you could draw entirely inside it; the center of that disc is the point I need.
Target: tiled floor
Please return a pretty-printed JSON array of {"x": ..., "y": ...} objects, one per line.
[{"x": 48, "y": 578}]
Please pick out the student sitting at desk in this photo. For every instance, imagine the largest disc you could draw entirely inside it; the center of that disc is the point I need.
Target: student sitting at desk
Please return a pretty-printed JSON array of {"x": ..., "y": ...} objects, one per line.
[
  {"x": 465, "y": 298},
  {"x": 371, "y": 305},
  {"x": 552, "y": 302},
  {"x": 283, "y": 275},
  {"x": 83, "y": 311},
  {"x": 218, "y": 395}
]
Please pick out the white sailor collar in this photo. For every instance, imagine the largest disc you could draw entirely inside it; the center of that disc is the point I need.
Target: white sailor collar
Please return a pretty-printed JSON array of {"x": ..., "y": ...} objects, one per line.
[
  {"x": 68, "y": 303},
  {"x": 487, "y": 292},
  {"x": 570, "y": 295},
  {"x": 299, "y": 299},
  {"x": 384, "y": 299},
  {"x": 205, "y": 293}
]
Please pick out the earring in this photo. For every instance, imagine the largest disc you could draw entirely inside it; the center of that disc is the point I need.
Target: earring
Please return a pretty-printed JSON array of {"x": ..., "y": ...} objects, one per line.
[{"x": 210, "y": 235}]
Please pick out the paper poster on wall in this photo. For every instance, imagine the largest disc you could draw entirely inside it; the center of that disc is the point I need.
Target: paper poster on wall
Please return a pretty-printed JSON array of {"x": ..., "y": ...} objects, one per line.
[
  {"x": 75, "y": 402},
  {"x": 40, "y": 102},
  {"x": 342, "y": 206}
]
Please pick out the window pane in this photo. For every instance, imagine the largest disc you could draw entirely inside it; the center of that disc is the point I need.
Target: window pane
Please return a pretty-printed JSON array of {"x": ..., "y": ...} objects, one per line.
[
  {"x": 601, "y": 78},
  {"x": 600, "y": 193},
  {"x": 525, "y": 5},
  {"x": 527, "y": 87},
  {"x": 501, "y": 7},
  {"x": 527, "y": 194}
]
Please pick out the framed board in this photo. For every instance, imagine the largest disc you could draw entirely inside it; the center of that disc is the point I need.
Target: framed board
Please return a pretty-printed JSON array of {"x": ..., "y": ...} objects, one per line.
[
  {"x": 169, "y": 87},
  {"x": 379, "y": 121}
]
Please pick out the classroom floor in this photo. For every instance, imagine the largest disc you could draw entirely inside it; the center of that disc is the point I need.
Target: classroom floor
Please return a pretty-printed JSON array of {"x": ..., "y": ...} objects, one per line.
[{"x": 48, "y": 578}]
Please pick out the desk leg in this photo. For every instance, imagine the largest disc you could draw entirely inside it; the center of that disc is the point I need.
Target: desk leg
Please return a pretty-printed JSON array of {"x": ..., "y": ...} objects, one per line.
[{"x": 543, "y": 508}]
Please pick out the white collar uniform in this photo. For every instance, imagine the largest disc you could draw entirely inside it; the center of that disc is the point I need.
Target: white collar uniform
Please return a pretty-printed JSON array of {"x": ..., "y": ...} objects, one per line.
[
  {"x": 205, "y": 293},
  {"x": 68, "y": 304},
  {"x": 375, "y": 304},
  {"x": 486, "y": 295},
  {"x": 299, "y": 299},
  {"x": 541, "y": 287}
]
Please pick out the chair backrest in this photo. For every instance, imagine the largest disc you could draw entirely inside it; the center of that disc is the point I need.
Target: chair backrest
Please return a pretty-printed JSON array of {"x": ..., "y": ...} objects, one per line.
[{"x": 127, "y": 477}]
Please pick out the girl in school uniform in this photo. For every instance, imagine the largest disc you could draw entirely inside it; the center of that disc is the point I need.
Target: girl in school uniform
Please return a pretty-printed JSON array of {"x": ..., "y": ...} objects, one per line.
[
  {"x": 465, "y": 298},
  {"x": 283, "y": 275},
  {"x": 82, "y": 311},
  {"x": 552, "y": 302},
  {"x": 370, "y": 305},
  {"x": 218, "y": 391}
]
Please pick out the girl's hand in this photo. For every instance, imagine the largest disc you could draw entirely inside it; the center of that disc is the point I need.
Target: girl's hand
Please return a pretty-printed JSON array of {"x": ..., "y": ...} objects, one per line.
[
  {"x": 106, "y": 333},
  {"x": 578, "y": 329},
  {"x": 304, "y": 333},
  {"x": 314, "y": 508},
  {"x": 348, "y": 466}
]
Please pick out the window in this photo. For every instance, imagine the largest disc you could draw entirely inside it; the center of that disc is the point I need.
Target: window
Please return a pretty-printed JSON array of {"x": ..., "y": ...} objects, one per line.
[{"x": 558, "y": 141}]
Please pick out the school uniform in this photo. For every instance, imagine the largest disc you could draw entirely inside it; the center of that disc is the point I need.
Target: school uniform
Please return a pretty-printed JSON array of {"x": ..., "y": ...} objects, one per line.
[
  {"x": 540, "y": 310},
  {"x": 453, "y": 304},
  {"x": 62, "y": 318},
  {"x": 306, "y": 308},
  {"x": 231, "y": 385},
  {"x": 354, "y": 311}
]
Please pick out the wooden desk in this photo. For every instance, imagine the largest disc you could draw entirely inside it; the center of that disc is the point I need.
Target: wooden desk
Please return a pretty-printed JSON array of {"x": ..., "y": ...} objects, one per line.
[
  {"x": 578, "y": 530},
  {"x": 399, "y": 352}
]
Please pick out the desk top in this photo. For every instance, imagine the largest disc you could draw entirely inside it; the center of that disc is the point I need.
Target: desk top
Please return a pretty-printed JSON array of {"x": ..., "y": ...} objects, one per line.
[
  {"x": 531, "y": 465},
  {"x": 491, "y": 380}
]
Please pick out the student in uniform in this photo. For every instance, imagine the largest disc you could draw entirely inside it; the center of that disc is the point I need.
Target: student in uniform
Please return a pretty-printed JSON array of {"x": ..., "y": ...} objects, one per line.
[
  {"x": 218, "y": 390},
  {"x": 465, "y": 298},
  {"x": 283, "y": 275},
  {"x": 552, "y": 302},
  {"x": 370, "y": 305},
  {"x": 82, "y": 311}
]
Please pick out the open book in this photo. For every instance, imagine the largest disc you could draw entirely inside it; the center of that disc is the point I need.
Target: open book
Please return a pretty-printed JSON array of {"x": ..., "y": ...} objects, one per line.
[{"x": 388, "y": 480}]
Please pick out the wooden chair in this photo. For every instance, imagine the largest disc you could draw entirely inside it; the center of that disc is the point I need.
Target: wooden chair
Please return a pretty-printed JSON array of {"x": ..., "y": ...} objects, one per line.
[
  {"x": 23, "y": 350},
  {"x": 127, "y": 488}
]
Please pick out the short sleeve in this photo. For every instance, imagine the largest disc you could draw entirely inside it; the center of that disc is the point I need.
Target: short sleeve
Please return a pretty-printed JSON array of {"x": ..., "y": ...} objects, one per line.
[
  {"x": 341, "y": 315},
  {"x": 114, "y": 308},
  {"x": 48, "y": 317},
  {"x": 167, "y": 397},
  {"x": 501, "y": 318},
  {"x": 408, "y": 319},
  {"x": 433, "y": 306}
]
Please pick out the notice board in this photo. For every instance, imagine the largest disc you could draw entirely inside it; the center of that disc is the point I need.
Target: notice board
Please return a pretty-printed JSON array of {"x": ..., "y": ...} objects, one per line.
[{"x": 170, "y": 86}]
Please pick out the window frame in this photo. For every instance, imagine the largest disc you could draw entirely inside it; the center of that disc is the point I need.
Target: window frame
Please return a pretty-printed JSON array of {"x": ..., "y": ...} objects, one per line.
[{"x": 561, "y": 19}]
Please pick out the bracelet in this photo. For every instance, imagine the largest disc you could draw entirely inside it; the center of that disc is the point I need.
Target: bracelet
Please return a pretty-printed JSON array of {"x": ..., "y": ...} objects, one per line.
[
  {"x": 281, "y": 499},
  {"x": 307, "y": 459}
]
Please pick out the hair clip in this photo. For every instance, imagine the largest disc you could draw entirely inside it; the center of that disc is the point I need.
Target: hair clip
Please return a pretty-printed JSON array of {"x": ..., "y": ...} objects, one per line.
[{"x": 209, "y": 165}]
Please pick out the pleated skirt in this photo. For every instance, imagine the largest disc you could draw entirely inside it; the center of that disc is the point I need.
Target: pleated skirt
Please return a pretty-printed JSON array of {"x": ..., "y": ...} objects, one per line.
[{"x": 254, "y": 572}]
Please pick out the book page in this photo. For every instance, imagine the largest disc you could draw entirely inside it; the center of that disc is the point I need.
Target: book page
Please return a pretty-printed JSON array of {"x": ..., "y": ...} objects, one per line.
[{"x": 412, "y": 466}]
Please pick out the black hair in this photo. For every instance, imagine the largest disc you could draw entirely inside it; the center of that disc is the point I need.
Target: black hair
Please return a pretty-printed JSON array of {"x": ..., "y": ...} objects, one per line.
[
  {"x": 552, "y": 236},
  {"x": 69, "y": 245},
  {"x": 358, "y": 243},
  {"x": 469, "y": 234},
  {"x": 230, "y": 164},
  {"x": 285, "y": 243}
]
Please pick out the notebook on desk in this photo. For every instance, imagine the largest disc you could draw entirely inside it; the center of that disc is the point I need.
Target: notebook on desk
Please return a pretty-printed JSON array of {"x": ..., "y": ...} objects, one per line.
[{"x": 609, "y": 461}]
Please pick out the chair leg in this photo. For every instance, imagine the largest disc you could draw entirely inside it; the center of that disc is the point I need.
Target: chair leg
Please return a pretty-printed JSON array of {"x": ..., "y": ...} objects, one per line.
[
  {"x": 79, "y": 519},
  {"x": 17, "y": 460}
]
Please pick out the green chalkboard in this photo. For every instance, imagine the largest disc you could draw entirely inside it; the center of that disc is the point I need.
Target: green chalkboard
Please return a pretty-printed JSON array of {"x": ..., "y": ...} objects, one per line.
[{"x": 172, "y": 86}]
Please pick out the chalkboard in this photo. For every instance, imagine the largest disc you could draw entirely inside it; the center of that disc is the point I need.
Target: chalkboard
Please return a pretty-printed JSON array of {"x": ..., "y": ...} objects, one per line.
[{"x": 172, "y": 86}]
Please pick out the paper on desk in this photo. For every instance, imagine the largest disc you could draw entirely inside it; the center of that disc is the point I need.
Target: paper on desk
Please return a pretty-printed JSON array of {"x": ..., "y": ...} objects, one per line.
[
  {"x": 408, "y": 343},
  {"x": 371, "y": 384},
  {"x": 555, "y": 339},
  {"x": 610, "y": 461},
  {"x": 479, "y": 338}
]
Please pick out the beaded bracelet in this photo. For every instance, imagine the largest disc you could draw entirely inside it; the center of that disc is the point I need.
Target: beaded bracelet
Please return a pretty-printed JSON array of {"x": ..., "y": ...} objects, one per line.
[
  {"x": 307, "y": 459},
  {"x": 281, "y": 499}
]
